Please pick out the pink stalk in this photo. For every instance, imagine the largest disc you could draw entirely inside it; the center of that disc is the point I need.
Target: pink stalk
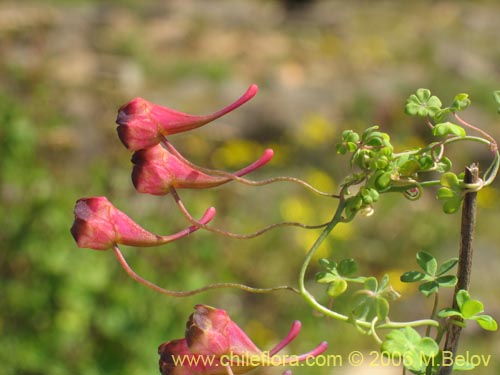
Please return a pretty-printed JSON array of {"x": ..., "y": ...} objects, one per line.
[
  {"x": 493, "y": 145},
  {"x": 172, "y": 293},
  {"x": 292, "y": 334},
  {"x": 192, "y": 220}
]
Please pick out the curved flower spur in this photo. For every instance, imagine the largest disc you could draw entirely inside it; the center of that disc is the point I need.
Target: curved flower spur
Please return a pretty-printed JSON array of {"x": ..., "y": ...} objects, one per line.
[
  {"x": 142, "y": 124},
  {"x": 99, "y": 225},
  {"x": 215, "y": 345}
]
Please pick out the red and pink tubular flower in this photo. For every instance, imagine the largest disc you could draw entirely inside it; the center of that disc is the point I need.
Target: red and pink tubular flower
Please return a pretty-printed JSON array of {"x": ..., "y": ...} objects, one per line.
[
  {"x": 142, "y": 124},
  {"x": 215, "y": 345},
  {"x": 156, "y": 170},
  {"x": 99, "y": 225}
]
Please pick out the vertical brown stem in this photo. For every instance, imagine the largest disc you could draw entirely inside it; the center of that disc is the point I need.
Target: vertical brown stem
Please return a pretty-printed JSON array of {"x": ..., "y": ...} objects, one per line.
[{"x": 464, "y": 263}]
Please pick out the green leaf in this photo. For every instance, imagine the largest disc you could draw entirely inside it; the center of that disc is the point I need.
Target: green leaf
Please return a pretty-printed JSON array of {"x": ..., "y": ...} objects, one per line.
[
  {"x": 423, "y": 104},
  {"x": 326, "y": 277},
  {"x": 496, "y": 96},
  {"x": 412, "y": 276},
  {"x": 428, "y": 288},
  {"x": 407, "y": 343},
  {"x": 384, "y": 283},
  {"x": 426, "y": 162},
  {"x": 382, "y": 308},
  {"x": 441, "y": 114},
  {"x": 445, "y": 193},
  {"x": 383, "y": 181},
  {"x": 462, "y": 297},
  {"x": 371, "y": 284},
  {"x": 399, "y": 341},
  {"x": 361, "y": 305},
  {"x": 463, "y": 366},
  {"x": 427, "y": 262},
  {"x": 471, "y": 307},
  {"x": 486, "y": 322},
  {"x": 427, "y": 347},
  {"x": 347, "y": 267},
  {"x": 444, "y": 165},
  {"x": 447, "y": 312},
  {"x": 447, "y": 128},
  {"x": 409, "y": 168},
  {"x": 350, "y": 136},
  {"x": 451, "y": 206},
  {"x": 326, "y": 263},
  {"x": 447, "y": 280},
  {"x": 337, "y": 288},
  {"x": 460, "y": 102},
  {"x": 446, "y": 266},
  {"x": 450, "y": 180}
]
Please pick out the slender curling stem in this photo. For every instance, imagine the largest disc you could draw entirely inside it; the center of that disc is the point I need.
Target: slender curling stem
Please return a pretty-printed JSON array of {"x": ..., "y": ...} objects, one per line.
[
  {"x": 245, "y": 181},
  {"x": 464, "y": 261},
  {"x": 444, "y": 143},
  {"x": 494, "y": 146},
  {"x": 337, "y": 218},
  {"x": 199, "y": 224},
  {"x": 374, "y": 332},
  {"x": 433, "y": 313},
  {"x": 172, "y": 293},
  {"x": 429, "y": 123},
  {"x": 492, "y": 171}
]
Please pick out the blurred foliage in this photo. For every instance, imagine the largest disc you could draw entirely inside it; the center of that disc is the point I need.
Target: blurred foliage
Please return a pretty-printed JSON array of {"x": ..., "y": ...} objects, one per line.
[{"x": 65, "y": 68}]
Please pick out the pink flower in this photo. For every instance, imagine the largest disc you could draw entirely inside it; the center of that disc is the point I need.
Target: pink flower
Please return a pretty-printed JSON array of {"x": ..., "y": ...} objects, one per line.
[
  {"x": 156, "y": 170},
  {"x": 99, "y": 225},
  {"x": 214, "y": 342},
  {"x": 142, "y": 124}
]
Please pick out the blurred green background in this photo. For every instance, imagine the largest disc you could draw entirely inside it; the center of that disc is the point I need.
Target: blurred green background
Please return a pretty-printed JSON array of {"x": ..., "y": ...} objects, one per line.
[{"x": 322, "y": 67}]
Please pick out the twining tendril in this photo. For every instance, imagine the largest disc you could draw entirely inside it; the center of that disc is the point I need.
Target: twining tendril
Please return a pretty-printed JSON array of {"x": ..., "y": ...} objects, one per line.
[
  {"x": 172, "y": 293},
  {"x": 199, "y": 224},
  {"x": 242, "y": 180}
]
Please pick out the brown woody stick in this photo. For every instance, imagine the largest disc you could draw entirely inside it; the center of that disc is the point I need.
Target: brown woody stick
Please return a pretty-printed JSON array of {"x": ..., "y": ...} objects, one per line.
[{"x": 464, "y": 262}]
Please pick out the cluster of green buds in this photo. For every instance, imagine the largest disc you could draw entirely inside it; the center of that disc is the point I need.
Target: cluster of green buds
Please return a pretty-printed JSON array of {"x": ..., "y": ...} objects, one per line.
[{"x": 381, "y": 170}]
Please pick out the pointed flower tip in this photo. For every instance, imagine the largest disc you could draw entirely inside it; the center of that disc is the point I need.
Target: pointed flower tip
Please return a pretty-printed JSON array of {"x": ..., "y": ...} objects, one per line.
[
  {"x": 249, "y": 94},
  {"x": 292, "y": 334},
  {"x": 208, "y": 215},
  {"x": 260, "y": 162},
  {"x": 252, "y": 90}
]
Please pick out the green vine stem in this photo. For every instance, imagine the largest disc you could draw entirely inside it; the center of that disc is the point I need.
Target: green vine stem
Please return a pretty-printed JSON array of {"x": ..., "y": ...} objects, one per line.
[{"x": 337, "y": 218}]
